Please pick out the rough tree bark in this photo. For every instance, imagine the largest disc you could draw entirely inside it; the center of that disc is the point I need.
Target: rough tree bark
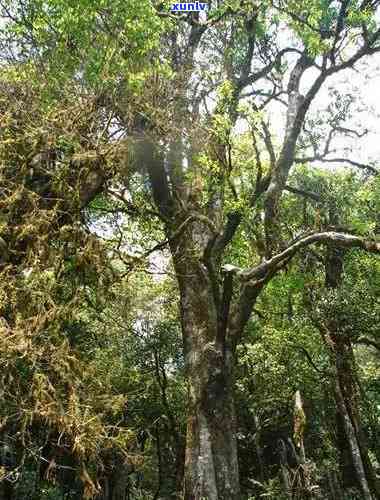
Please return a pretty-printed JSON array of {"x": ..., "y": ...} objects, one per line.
[
  {"x": 211, "y": 466},
  {"x": 345, "y": 391}
]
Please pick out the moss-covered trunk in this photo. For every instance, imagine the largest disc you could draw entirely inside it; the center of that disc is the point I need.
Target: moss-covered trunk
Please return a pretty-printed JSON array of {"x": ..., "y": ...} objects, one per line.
[
  {"x": 211, "y": 465},
  {"x": 211, "y": 469}
]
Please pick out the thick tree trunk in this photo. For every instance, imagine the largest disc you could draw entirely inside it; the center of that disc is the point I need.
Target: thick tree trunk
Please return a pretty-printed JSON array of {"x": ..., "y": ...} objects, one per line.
[
  {"x": 211, "y": 469},
  {"x": 211, "y": 465}
]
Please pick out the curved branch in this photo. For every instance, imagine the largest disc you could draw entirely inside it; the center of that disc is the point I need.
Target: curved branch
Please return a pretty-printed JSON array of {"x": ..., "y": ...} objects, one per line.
[
  {"x": 341, "y": 240},
  {"x": 362, "y": 166},
  {"x": 253, "y": 280}
]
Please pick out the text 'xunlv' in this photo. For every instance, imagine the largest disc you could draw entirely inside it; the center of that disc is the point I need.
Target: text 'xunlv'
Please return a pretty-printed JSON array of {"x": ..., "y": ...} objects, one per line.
[{"x": 189, "y": 7}]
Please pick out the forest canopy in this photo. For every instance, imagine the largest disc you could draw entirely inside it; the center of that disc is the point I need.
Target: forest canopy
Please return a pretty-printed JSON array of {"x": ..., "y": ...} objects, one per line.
[{"x": 189, "y": 250}]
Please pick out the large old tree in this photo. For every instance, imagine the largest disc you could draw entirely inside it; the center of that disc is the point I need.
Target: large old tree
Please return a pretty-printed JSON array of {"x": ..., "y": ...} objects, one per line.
[{"x": 177, "y": 118}]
